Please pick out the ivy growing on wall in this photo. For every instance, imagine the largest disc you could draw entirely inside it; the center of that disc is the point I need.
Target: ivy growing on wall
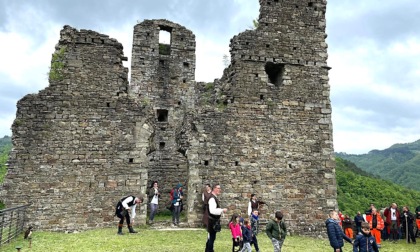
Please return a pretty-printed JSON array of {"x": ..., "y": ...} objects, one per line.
[{"x": 57, "y": 65}]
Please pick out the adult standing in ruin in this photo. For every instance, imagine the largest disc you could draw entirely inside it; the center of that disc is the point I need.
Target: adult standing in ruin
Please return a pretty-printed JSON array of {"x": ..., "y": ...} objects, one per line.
[
  {"x": 122, "y": 211},
  {"x": 205, "y": 197},
  {"x": 154, "y": 196},
  {"x": 392, "y": 215},
  {"x": 254, "y": 203},
  {"x": 215, "y": 213},
  {"x": 178, "y": 195},
  {"x": 407, "y": 219},
  {"x": 376, "y": 225}
]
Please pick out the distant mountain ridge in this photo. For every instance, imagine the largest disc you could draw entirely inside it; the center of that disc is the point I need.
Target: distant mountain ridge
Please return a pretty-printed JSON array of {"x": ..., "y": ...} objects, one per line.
[{"x": 400, "y": 163}]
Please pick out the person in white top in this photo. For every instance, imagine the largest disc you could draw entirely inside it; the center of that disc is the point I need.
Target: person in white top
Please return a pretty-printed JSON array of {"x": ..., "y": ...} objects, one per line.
[
  {"x": 124, "y": 206},
  {"x": 215, "y": 213},
  {"x": 154, "y": 196}
]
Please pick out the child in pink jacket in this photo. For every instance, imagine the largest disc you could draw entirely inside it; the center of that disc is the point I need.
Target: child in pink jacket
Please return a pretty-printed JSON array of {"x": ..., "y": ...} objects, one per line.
[{"x": 235, "y": 229}]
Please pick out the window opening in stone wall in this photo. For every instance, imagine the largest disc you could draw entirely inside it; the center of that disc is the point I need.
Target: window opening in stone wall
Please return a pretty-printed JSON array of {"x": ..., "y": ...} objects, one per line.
[
  {"x": 162, "y": 145},
  {"x": 236, "y": 163},
  {"x": 275, "y": 73},
  {"x": 267, "y": 46},
  {"x": 206, "y": 162},
  {"x": 261, "y": 97},
  {"x": 108, "y": 104},
  {"x": 184, "y": 81},
  {"x": 310, "y": 4},
  {"x": 162, "y": 115},
  {"x": 131, "y": 160},
  {"x": 165, "y": 40},
  {"x": 186, "y": 64},
  {"x": 161, "y": 62}
]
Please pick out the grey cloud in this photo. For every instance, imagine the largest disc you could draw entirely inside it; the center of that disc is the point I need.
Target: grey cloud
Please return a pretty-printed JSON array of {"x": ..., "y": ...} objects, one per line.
[
  {"x": 396, "y": 20},
  {"x": 384, "y": 112}
]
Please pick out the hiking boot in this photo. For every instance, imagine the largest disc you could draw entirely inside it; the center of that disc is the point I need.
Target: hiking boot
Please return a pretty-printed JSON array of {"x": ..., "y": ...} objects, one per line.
[{"x": 131, "y": 230}]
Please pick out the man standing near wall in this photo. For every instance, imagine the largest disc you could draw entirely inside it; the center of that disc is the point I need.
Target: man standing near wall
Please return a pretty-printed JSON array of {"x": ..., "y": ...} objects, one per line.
[{"x": 215, "y": 213}]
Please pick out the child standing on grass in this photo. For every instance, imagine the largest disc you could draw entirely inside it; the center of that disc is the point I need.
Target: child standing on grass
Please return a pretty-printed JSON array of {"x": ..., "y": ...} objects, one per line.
[
  {"x": 276, "y": 231},
  {"x": 235, "y": 229},
  {"x": 247, "y": 236},
  {"x": 255, "y": 223},
  {"x": 365, "y": 242}
]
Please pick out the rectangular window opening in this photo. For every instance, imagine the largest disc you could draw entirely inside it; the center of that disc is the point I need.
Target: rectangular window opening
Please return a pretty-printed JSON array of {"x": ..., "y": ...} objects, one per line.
[
  {"x": 162, "y": 145},
  {"x": 162, "y": 115},
  {"x": 165, "y": 40},
  {"x": 131, "y": 160},
  {"x": 206, "y": 162}
]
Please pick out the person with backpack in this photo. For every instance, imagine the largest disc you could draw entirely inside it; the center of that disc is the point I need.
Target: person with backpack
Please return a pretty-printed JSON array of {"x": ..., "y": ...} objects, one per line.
[
  {"x": 276, "y": 231},
  {"x": 178, "y": 195},
  {"x": 122, "y": 211}
]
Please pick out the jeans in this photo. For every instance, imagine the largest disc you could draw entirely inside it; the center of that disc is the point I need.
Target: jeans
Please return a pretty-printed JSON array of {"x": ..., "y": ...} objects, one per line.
[
  {"x": 175, "y": 214},
  {"x": 153, "y": 210}
]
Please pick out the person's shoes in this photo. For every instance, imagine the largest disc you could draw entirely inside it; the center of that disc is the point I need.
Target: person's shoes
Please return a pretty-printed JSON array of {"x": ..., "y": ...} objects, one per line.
[
  {"x": 150, "y": 222},
  {"x": 131, "y": 230},
  {"x": 379, "y": 245}
]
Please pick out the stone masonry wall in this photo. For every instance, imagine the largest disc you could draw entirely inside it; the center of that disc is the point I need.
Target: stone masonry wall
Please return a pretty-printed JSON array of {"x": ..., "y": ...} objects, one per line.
[{"x": 264, "y": 127}]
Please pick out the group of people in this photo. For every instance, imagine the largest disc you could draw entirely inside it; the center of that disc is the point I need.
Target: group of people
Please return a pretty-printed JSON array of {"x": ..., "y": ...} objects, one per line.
[
  {"x": 244, "y": 230},
  {"x": 372, "y": 227}
]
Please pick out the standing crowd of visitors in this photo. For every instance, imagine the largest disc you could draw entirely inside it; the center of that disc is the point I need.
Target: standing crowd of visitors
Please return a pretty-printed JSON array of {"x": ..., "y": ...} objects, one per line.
[{"x": 365, "y": 232}]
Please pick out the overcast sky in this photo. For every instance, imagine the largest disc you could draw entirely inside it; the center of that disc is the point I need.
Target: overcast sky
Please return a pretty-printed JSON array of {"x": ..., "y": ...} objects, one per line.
[{"x": 374, "y": 52}]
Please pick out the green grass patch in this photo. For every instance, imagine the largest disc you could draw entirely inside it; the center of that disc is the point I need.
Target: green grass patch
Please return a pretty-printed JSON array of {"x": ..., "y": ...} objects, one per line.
[{"x": 170, "y": 240}]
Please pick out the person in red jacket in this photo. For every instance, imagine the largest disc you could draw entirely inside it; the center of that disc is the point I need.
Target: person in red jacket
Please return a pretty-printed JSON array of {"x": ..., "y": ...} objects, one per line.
[
  {"x": 392, "y": 215},
  {"x": 376, "y": 224}
]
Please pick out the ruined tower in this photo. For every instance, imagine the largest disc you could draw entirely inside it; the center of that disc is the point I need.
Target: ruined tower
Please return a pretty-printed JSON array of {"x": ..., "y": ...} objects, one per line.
[{"x": 264, "y": 127}]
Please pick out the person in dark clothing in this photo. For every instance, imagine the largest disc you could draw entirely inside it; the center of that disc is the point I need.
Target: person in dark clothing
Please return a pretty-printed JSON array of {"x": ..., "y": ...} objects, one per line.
[
  {"x": 254, "y": 203},
  {"x": 407, "y": 220},
  {"x": 215, "y": 213},
  {"x": 365, "y": 242},
  {"x": 255, "y": 224},
  {"x": 335, "y": 233},
  {"x": 358, "y": 219},
  {"x": 348, "y": 226},
  {"x": 276, "y": 230},
  {"x": 205, "y": 196},
  {"x": 247, "y": 236},
  {"x": 122, "y": 211}
]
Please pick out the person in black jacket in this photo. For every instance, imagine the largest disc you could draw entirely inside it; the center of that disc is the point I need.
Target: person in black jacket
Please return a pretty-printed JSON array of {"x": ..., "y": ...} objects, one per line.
[
  {"x": 365, "y": 242},
  {"x": 407, "y": 221},
  {"x": 335, "y": 233}
]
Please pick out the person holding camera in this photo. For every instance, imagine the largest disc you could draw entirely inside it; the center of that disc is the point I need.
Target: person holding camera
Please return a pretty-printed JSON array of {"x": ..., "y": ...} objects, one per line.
[
  {"x": 215, "y": 213},
  {"x": 154, "y": 196}
]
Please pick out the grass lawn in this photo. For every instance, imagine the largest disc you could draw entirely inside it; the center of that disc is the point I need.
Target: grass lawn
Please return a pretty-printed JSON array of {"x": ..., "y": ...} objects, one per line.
[{"x": 170, "y": 240}]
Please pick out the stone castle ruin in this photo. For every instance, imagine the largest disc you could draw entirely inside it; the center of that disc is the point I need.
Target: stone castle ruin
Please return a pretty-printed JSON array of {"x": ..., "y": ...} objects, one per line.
[{"x": 92, "y": 136}]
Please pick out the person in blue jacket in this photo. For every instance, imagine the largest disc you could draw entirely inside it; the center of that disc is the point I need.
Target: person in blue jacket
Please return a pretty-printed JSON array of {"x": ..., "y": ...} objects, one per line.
[
  {"x": 335, "y": 233},
  {"x": 365, "y": 242}
]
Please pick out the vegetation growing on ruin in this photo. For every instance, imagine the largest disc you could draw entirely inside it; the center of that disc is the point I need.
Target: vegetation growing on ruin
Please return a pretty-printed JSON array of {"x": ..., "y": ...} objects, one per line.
[
  {"x": 5, "y": 147},
  {"x": 57, "y": 65}
]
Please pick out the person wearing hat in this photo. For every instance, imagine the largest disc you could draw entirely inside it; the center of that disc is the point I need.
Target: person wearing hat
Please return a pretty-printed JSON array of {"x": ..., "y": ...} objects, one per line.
[
  {"x": 122, "y": 211},
  {"x": 177, "y": 203}
]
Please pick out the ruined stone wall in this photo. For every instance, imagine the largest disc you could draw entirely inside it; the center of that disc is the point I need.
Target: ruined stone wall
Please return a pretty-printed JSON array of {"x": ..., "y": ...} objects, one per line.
[
  {"x": 264, "y": 127},
  {"x": 79, "y": 143}
]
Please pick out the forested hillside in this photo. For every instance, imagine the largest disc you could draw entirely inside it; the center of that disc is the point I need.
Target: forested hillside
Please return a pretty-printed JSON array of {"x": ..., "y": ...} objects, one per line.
[
  {"x": 400, "y": 163},
  {"x": 357, "y": 189},
  {"x": 5, "y": 147}
]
